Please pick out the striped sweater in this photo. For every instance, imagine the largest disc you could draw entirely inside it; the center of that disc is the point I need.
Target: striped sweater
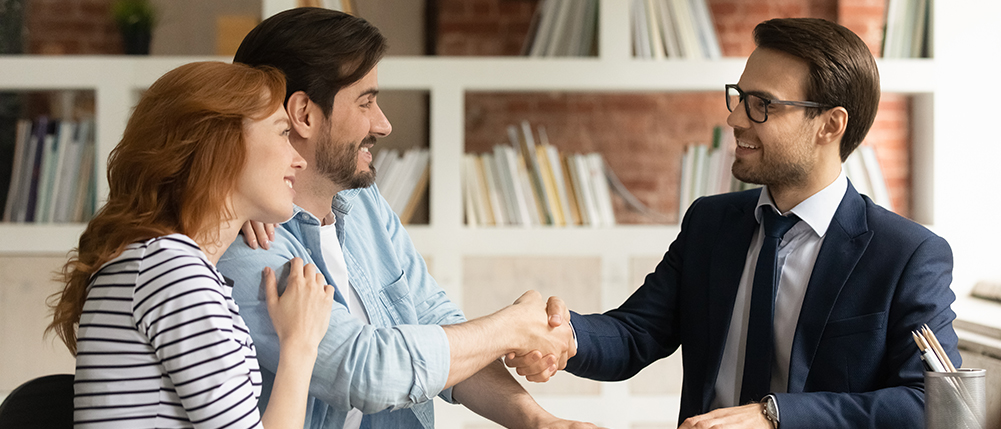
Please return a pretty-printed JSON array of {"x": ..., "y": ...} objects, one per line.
[{"x": 161, "y": 344}]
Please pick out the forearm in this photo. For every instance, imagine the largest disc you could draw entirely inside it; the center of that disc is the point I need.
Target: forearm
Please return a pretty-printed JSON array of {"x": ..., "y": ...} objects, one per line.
[
  {"x": 891, "y": 407},
  {"x": 476, "y": 343},
  {"x": 495, "y": 395},
  {"x": 287, "y": 404}
]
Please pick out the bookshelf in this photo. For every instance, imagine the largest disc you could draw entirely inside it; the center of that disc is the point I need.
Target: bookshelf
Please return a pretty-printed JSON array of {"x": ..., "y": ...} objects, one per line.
[{"x": 446, "y": 241}]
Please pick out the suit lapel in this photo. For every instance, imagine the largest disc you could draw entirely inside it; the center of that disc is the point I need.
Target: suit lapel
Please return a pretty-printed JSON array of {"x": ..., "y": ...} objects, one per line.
[
  {"x": 845, "y": 242},
  {"x": 725, "y": 269}
]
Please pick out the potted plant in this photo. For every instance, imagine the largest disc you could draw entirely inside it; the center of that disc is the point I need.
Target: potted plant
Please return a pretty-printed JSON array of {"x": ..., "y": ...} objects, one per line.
[{"x": 135, "y": 20}]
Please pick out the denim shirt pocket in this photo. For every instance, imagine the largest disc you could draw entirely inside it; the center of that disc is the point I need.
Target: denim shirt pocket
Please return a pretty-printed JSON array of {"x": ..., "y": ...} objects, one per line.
[{"x": 395, "y": 297}]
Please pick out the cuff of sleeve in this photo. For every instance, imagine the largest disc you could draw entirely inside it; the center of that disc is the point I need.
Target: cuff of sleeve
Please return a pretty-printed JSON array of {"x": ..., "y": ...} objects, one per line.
[{"x": 430, "y": 357}]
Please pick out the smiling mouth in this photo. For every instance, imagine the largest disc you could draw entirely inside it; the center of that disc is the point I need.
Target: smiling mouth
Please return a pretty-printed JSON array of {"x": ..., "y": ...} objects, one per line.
[
  {"x": 289, "y": 181},
  {"x": 744, "y": 145}
]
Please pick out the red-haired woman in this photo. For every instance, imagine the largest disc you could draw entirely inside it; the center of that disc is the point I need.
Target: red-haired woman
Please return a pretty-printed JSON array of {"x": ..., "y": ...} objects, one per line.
[{"x": 158, "y": 339}]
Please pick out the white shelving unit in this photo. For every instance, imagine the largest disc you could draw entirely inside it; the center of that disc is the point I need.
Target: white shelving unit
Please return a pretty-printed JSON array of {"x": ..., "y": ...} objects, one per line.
[{"x": 447, "y": 240}]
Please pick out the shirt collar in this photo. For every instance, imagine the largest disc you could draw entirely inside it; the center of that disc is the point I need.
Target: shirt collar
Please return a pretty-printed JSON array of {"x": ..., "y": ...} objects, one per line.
[
  {"x": 343, "y": 200},
  {"x": 818, "y": 210}
]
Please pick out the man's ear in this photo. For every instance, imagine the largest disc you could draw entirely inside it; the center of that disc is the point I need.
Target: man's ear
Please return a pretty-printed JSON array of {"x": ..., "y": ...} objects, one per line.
[
  {"x": 833, "y": 127},
  {"x": 303, "y": 114}
]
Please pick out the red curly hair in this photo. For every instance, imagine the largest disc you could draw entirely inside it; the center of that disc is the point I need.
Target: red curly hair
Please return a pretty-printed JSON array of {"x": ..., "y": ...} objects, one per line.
[{"x": 173, "y": 170}]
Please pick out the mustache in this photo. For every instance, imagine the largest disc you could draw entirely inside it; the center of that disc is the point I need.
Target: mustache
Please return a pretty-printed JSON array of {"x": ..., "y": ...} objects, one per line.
[{"x": 368, "y": 140}]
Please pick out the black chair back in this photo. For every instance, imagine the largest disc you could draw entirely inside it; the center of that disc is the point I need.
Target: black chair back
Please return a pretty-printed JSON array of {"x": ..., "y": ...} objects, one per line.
[{"x": 43, "y": 403}]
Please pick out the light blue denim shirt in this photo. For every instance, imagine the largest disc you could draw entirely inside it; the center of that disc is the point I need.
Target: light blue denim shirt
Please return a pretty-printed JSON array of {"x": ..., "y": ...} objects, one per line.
[{"x": 393, "y": 366}]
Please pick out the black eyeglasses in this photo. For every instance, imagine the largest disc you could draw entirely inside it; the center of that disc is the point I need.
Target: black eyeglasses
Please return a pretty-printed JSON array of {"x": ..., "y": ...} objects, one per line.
[{"x": 757, "y": 106}]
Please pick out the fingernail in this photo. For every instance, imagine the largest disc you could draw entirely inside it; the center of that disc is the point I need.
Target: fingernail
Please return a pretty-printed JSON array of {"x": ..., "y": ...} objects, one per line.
[
  {"x": 253, "y": 245},
  {"x": 556, "y": 318}
]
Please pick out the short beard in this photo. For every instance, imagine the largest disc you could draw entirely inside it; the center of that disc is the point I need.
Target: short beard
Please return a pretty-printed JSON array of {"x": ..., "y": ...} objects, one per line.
[
  {"x": 774, "y": 172},
  {"x": 340, "y": 164}
]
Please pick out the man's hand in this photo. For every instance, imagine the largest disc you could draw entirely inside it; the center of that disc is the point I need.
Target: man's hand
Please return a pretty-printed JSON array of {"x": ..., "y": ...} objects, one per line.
[
  {"x": 536, "y": 367},
  {"x": 750, "y": 416},
  {"x": 547, "y": 339},
  {"x": 255, "y": 233}
]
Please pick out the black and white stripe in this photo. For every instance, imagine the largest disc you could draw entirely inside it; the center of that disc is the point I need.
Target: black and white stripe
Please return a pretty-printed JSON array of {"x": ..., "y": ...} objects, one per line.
[{"x": 161, "y": 344}]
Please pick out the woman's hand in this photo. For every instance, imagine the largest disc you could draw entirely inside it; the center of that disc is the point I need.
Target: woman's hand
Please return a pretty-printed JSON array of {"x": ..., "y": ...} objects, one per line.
[
  {"x": 301, "y": 314},
  {"x": 255, "y": 233}
]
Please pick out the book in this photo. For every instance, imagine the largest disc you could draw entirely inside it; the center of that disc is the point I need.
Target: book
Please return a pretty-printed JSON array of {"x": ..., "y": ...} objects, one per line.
[
  {"x": 559, "y": 40},
  {"x": 507, "y": 161},
  {"x": 880, "y": 193},
  {"x": 550, "y": 186},
  {"x": 705, "y": 29},
  {"x": 35, "y": 162},
  {"x": 559, "y": 180},
  {"x": 687, "y": 34},
  {"x": 493, "y": 190},
  {"x": 641, "y": 30},
  {"x": 418, "y": 190},
  {"x": 575, "y": 213},
  {"x": 547, "y": 11},
  {"x": 656, "y": 39},
  {"x": 588, "y": 26},
  {"x": 535, "y": 173},
  {"x": 83, "y": 207},
  {"x": 856, "y": 172},
  {"x": 667, "y": 29},
  {"x": 599, "y": 186},
  {"x": 21, "y": 142},
  {"x": 582, "y": 185}
]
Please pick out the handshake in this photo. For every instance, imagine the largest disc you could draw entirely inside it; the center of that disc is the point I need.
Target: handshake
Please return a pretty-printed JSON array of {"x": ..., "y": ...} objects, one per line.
[{"x": 543, "y": 339}]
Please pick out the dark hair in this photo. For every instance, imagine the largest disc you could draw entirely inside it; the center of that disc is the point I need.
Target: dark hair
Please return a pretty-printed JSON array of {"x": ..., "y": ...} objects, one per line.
[
  {"x": 178, "y": 160},
  {"x": 319, "y": 50},
  {"x": 842, "y": 70}
]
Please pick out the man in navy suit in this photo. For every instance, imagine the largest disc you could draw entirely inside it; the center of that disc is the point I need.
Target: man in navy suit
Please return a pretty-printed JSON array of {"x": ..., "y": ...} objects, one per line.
[{"x": 828, "y": 343}]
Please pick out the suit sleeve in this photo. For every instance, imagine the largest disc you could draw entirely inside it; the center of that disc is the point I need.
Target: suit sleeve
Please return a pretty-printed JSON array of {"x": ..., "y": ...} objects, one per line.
[
  {"x": 619, "y": 343},
  {"x": 922, "y": 296}
]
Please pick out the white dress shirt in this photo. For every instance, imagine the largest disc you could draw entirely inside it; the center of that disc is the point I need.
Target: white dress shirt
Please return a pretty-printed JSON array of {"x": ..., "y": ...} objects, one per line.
[
  {"x": 796, "y": 256},
  {"x": 333, "y": 256}
]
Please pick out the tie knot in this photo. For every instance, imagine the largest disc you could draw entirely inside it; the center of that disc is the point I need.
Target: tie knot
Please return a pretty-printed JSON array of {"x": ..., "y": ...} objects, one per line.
[{"x": 777, "y": 225}]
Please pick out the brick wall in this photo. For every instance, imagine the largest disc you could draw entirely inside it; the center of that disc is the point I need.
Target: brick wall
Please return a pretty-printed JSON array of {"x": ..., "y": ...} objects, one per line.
[
  {"x": 71, "y": 27},
  {"x": 642, "y": 135}
]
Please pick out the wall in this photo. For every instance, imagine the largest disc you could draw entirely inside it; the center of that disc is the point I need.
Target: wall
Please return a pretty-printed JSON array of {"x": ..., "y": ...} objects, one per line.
[{"x": 642, "y": 135}]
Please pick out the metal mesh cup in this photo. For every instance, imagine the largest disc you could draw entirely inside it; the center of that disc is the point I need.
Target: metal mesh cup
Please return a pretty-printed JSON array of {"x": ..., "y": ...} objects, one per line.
[{"x": 956, "y": 400}]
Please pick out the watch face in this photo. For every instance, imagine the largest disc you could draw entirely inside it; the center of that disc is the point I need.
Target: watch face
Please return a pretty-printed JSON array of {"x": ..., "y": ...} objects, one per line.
[{"x": 771, "y": 409}]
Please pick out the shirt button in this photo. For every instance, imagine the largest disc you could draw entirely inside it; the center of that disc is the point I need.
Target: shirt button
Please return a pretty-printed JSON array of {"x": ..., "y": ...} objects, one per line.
[{"x": 309, "y": 252}]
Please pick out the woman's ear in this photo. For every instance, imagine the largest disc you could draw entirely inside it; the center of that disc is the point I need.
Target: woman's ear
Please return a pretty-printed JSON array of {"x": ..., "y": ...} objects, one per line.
[{"x": 302, "y": 113}]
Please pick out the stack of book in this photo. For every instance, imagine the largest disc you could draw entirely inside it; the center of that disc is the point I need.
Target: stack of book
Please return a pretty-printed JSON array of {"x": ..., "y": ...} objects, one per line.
[
  {"x": 705, "y": 170},
  {"x": 402, "y": 179},
  {"x": 674, "y": 29},
  {"x": 52, "y": 173},
  {"x": 907, "y": 33},
  {"x": 525, "y": 184},
  {"x": 563, "y": 28}
]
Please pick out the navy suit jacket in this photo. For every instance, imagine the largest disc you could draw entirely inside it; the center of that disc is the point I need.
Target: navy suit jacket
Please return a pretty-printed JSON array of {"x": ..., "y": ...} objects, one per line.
[{"x": 854, "y": 363}]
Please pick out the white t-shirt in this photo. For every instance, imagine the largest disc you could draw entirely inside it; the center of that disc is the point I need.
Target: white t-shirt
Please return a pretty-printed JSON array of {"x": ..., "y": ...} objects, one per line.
[{"x": 333, "y": 256}]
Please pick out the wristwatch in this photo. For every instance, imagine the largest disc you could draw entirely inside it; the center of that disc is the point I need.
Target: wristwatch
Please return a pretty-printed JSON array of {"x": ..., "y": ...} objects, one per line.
[{"x": 770, "y": 408}]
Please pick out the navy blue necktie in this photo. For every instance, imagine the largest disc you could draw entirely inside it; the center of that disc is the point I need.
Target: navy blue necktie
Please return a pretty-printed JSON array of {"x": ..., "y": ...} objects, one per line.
[{"x": 760, "y": 350}]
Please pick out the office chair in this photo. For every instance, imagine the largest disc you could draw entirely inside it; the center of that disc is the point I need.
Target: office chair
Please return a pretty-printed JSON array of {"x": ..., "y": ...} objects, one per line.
[{"x": 43, "y": 403}]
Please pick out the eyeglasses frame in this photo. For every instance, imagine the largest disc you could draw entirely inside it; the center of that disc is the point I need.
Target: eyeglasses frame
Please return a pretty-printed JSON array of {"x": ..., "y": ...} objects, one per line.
[{"x": 742, "y": 98}]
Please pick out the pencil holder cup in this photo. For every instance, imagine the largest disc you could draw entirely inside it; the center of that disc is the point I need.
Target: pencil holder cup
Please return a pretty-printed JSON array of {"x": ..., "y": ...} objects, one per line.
[{"x": 956, "y": 400}]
